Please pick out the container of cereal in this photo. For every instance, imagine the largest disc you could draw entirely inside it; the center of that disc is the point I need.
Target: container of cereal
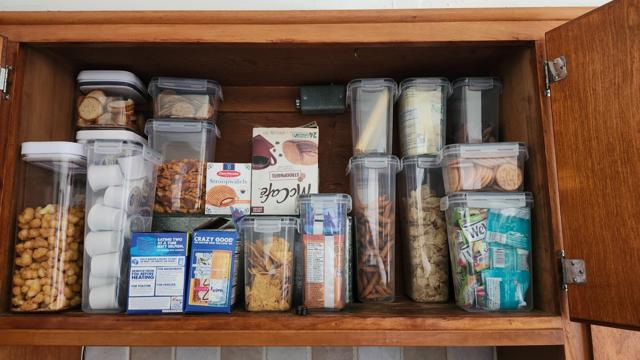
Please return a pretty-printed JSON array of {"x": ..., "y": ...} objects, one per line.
[
  {"x": 490, "y": 246},
  {"x": 474, "y": 111},
  {"x": 323, "y": 249},
  {"x": 426, "y": 253},
  {"x": 268, "y": 261},
  {"x": 182, "y": 98},
  {"x": 108, "y": 98},
  {"x": 373, "y": 187},
  {"x": 121, "y": 175},
  {"x": 422, "y": 113},
  {"x": 47, "y": 266},
  {"x": 371, "y": 102},
  {"x": 187, "y": 146},
  {"x": 484, "y": 167}
]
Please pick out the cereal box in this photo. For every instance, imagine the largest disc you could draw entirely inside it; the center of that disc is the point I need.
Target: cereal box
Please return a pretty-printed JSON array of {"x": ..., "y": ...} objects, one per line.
[
  {"x": 228, "y": 184},
  {"x": 284, "y": 164}
]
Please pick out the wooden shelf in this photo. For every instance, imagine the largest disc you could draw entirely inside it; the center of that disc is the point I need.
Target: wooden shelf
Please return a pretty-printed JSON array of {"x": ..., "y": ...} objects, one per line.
[{"x": 398, "y": 324}]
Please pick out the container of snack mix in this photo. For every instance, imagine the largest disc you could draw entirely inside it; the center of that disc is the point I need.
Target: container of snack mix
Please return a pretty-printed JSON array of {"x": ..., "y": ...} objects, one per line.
[
  {"x": 474, "y": 111},
  {"x": 373, "y": 188},
  {"x": 323, "y": 249},
  {"x": 422, "y": 114},
  {"x": 490, "y": 246},
  {"x": 186, "y": 146},
  {"x": 268, "y": 261},
  {"x": 182, "y": 98},
  {"x": 371, "y": 102},
  {"x": 121, "y": 180},
  {"x": 484, "y": 167},
  {"x": 47, "y": 265},
  {"x": 108, "y": 99},
  {"x": 425, "y": 248}
]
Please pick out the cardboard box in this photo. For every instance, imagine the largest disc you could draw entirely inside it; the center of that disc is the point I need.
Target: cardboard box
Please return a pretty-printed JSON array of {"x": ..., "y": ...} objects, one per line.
[
  {"x": 157, "y": 273},
  {"x": 213, "y": 278},
  {"x": 284, "y": 165},
  {"x": 228, "y": 184}
]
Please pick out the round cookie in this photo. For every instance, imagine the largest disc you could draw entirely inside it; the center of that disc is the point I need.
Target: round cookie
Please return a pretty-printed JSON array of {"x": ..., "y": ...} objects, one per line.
[
  {"x": 508, "y": 177},
  {"x": 90, "y": 108}
]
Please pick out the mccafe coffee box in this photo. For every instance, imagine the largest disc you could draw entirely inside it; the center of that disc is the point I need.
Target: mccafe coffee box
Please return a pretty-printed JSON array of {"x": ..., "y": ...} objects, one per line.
[{"x": 284, "y": 164}]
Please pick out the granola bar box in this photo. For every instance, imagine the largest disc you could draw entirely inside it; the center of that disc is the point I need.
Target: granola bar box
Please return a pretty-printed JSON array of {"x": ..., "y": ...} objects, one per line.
[
  {"x": 228, "y": 185},
  {"x": 284, "y": 164},
  {"x": 213, "y": 275}
]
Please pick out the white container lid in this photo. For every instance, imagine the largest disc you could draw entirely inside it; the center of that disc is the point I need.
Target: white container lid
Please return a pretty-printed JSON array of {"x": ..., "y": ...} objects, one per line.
[
  {"x": 372, "y": 85},
  {"x": 422, "y": 161},
  {"x": 478, "y": 83},
  {"x": 180, "y": 126},
  {"x": 123, "y": 83},
  {"x": 487, "y": 200},
  {"x": 195, "y": 86},
  {"x": 84, "y": 136},
  {"x": 375, "y": 161},
  {"x": 52, "y": 154},
  {"x": 269, "y": 223},
  {"x": 430, "y": 83},
  {"x": 326, "y": 199},
  {"x": 485, "y": 150}
]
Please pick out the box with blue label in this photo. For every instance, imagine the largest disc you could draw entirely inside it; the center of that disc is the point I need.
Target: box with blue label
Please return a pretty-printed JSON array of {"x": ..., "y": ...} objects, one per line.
[
  {"x": 213, "y": 274},
  {"x": 157, "y": 273}
]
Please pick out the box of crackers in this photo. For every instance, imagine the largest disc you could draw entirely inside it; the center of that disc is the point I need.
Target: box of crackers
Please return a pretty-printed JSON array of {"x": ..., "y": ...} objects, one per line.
[{"x": 228, "y": 185}]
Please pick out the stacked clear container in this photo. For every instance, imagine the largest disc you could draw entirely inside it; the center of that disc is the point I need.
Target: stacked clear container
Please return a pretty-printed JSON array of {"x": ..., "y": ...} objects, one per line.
[
  {"x": 268, "y": 261},
  {"x": 121, "y": 176},
  {"x": 187, "y": 146},
  {"x": 490, "y": 246},
  {"x": 373, "y": 187},
  {"x": 425, "y": 248},
  {"x": 371, "y": 102},
  {"x": 474, "y": 111},
  {"x": 47, "y": 267},
  {"x": 182, "y": 98},
  {"x": 323, "y": 250},
  {"x": 422, "y": 113}
]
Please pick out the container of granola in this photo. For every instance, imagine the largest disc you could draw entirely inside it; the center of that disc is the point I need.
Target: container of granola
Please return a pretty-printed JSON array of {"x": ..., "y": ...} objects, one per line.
[
  {"x": 268, "y": 261},
  {"x": 426, "y": 255}
]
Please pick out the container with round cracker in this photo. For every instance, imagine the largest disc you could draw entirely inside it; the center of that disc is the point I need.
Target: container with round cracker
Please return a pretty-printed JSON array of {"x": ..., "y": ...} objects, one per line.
[{"x": 181, "y": 98}]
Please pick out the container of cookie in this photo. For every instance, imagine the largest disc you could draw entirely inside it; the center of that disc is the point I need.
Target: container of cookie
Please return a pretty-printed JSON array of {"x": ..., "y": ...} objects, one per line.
[
  {"x": 183, "y": 98},
  {"x": 490, "y": 246},
  {"x": 473, "y": 110},
  {"x": 484, "y": 167},
  {"x": 373, "y": 188},
  {"x": 47, "y": 265},
  {"x": 186, "y": 146},
  {"x": 121, "y": 174},
  {"x": 268, "y": 261},
  {"x": 108, "y": 99},
  {"x": 425, "y": 248}
]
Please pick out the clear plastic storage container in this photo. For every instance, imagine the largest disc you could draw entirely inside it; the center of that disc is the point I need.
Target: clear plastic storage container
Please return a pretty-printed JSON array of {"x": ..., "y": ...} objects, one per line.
[
  {"x": 373, "y": 187},
  {"x": 371, "y": 102},
  {"x": 121, "y": 175},
  {"x": 484, "y": 167},
  {"x": 187, "y": 146},
  {"x": 474, "y": 111},
  {"x": 47, "y": 266},
  {"x": 107, "y": 99},
  {"x": 425, "y": 249},
  {"x": 323, "y": 250},
  {"x": 422, "y": 114},
  {"x": 181, "y": 98},
  {"x": 268, "y": 261},
  {"x": 490, "y": 246}
]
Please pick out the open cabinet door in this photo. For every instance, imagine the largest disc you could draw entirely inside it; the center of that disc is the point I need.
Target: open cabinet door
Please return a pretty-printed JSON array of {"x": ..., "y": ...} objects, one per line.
[{"x": 596, "y": 125}]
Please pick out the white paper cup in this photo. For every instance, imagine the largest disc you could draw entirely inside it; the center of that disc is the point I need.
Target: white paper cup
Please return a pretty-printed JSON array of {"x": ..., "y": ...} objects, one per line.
[
  {"x": 121, "y": 197},
  {"x": 105, "y": 218},
  {"x": 102, "y": 176},
  {"x": 102, "y": 242},
  {"x": 99, "y": 200},
  {"x": 106, "y": 265},
  {"x": 142, "y": 184},
  {"x": 104, "y": 297},
  {"x": 133, "y": 167},
  {"x": 97, "y": 281}
]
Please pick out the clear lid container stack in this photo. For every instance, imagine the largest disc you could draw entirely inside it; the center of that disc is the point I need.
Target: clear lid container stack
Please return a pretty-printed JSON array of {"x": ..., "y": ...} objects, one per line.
[{"x": 474, "y": 111}]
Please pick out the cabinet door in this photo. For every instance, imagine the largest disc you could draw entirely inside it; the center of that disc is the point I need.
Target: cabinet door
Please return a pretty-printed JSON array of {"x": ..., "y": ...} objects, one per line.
[{"x": 596, "y": 127}]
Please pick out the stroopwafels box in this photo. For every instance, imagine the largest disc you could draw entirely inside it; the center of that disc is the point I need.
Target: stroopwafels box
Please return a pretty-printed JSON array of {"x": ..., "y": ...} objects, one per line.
[{"x": 228, "y": 184}]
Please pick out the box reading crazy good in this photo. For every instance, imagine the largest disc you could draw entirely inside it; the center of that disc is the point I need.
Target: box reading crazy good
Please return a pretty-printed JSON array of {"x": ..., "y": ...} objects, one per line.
[
  {"x": 228, "y": 184},
  {"x": 157, "y": 273},
  {"x": 284, "y": 164},
  {"x": 212, "y": 277}
]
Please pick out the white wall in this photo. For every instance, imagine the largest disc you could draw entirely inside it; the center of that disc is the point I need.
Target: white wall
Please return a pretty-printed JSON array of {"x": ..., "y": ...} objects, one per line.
[{"x": 28, "y": 5}]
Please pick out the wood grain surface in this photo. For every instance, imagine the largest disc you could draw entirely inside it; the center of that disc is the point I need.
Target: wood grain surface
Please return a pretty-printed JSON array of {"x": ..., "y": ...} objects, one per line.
[
  {"x": 615, "y": 344},
  {"x": 597, "y": 147}
]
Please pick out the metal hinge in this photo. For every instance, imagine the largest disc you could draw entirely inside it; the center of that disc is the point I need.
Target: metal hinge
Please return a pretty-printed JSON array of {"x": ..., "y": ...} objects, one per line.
[
  {"x": 573, "y": 271},
  {"x": 5, "y": 84},
  {"x": 554, "y": 70}
]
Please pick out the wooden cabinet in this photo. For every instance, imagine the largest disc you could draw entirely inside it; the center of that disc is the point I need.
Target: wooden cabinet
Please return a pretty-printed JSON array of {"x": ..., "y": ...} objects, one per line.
[{"x": 584, "y": 146}]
